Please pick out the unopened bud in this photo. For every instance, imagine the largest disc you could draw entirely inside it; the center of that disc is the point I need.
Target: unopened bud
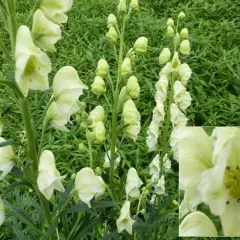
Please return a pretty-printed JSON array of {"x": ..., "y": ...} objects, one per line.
[
  {"x": 102, "y": 68},
  {"x": 184, "y": 33},
  {"x": 78, "y": 118},
  {"x": 90, "y": 136},
  {"x": 122, "y": 7},
  {"x": 98, "y": 171},
  {"x": 98, "y": 86},
  {"x": 176, "y": 62},
  {"x": 112, "y": 35},
  {"x": 82, "y": 148},
  {"x": 141, "y": 45},
  {"x": 126, "y": 68},
  {"x": 170, "y": 22},
  {"x": 73, "y": 176},
  {"x": 170, "y": 31},
  {"x": 175, "y": 202},
  {"x": 133, "y": 88},
  {"x": 185, "y": 47},
  {"x": 177, "y": 39},
  {"x": 134, "y": 5},
  {"x": 82, "y": 106},
  {"x": 165, "y": 56},
  {"x": 100, "y": 132},
  {"x": 112, "y": 21},
  {"x": 83, "y": 126},
  {"x": 181, "y": 15},
  {"x": 123, "y": 96}
]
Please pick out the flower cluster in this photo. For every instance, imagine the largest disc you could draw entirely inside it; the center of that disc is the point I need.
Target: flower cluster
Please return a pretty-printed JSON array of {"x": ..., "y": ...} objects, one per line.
[{"x": 209, "y": 173}]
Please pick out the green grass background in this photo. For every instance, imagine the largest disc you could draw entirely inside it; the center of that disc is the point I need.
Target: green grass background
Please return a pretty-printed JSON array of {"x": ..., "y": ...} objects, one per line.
[{"x": 214, "y": 28}]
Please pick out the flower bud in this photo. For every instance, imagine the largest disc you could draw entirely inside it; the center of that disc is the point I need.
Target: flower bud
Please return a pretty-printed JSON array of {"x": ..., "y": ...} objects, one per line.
[
  {"x": 134, "y": 5},
  {"x": 131, "y": 116},
  {"x": 82, "y": 148},
  {"x": 98, "y": 171},
  {"x": 181, "y": 15},
  {"x": 185, "y": 47},
  {"x": 184, "y": 33},
  {"x": 83, "y": 126},
  {"x": 112, "y": 35},
  {"x": 98, "y": 86},
  {"x": 123, "y": 96},
  {"x": 112, "y": 21},
  {"x": 170, "y": 31},
  {"x": 97, "y": 114},
  {"x": 170, "y": 22},
  {"x": 175, "y": 202},
  {"x": 122, "y": 7},
  {"x": 141, "y": 45},
  {"x": 132, "y": 131},
  {"x": 126, "y": 68},
  {"x": 100, "y": 132},
  {"x": 90, "y": 136},
  {"x": 102, "y": 68},
  {"x": 165, "y": 56},
  {"x": 175, "y": 61},
  {"x": 73, "y": 176},
  {"x": 133, "y": 88}
]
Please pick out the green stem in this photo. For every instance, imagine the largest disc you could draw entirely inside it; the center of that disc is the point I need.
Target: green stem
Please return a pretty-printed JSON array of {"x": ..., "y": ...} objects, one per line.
[
  {"x": 90, "y": 149},
  {"x": 45, "y": 122},
  {"x": 138, "y": 208},
  {"x": 115, "y": 102},
  {"x": 4, "y": 50}
]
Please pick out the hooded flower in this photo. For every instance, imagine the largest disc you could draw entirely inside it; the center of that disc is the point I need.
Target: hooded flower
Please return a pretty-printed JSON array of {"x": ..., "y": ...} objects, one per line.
[
  {"x": 159, "y": 188},
  {"x": 97, "y": 114},
  {"x": 102, "y": 68},
  {"x": 32, "y": 65},
  {"x": 88, "y": 185},
  {"x": 65, "y": 97},
  {"x": 98, "y": 86},
  {"x": 133, "y": 88},
  {"x": 55, "y": 10},
  {"x": 197, "y": 224},
  {"x": 2, "y": 213},
  {"x": 49, "y": 177},
  {"x": 177, "y": 117},
  {"x": 126, "y": 68},
  {"x": 125, "y": 221},
  {"x": 99, "y": 132},
  {"x": 44, "y": 32},
  {"x": 141, "y": 45},
  {"x": 107, "y": 160},
  {"x": 165, "y": 56},
  {"x": 6, "y": 159},
  {"x": 133, "y": 183}
]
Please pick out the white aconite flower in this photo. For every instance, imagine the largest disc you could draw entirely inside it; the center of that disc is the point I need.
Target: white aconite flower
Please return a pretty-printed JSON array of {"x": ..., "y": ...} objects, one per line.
[
  {"x": 126, "y": 68},
  {"x": 32, "y": 65},
  {"x": 197, "y": 224},
  {"x": 99, "y": 131},
  {"x": 166, "y": 163},
  {"x": 152, "y": 135},
  {"x": 133, "y": 183},
  {"x": 49, "y": 177},
  {"x": 44, "y": 32},
  {"x": 112, "y": 20},
  {"x": 125, "y": 221},
  {"x": 175, "y": 61},
  {"x": 2, "y": 213},
  {"x": 177, "y": 117},
  {"x": 159, "y": 188},
  {"x": 161, "y": 87},
  {"x": 97, "y": 114},
  {"x": 174, "y": 142},
  {"x": 55, "y": 10},
  {"x": 107, "y": 160},
  {"x": 6, "y": 159},
  {"x": 98, "y": 86},
  {"x": 141, "y": 45},
  {"x": 133, "y": 88},
  {"x": 65, "y": 97},
  {"x": 165, "y": 56},
  {"x": 102, "y": 68},
  {"x": 185, "y": 73},
  {"x": 155, "y": 167},
  {"x": 88, "y": 185},
  {"x": 166, "y": 70},
  {"x": 185, "y": 47},
  {"x": 181, "y": 96}
]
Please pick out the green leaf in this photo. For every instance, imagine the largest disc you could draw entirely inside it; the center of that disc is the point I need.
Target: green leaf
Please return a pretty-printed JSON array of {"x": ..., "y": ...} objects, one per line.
[
  {"x": 102, "y": 204},
  {"x": 82, "y": 207},
  {"x": 18, "y": 233},
  {"x": 7, "y": 143},
  {"x": 64, "y": 197},
  {"x": 16, "y": 185}
]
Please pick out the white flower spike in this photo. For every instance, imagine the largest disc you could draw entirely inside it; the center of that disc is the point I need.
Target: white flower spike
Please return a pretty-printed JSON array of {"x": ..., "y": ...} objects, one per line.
[
  {"x": 88, "y": 185},
  {"x": 49, "y": 177},
  {"x": 32, "y": 65},
  {"x": 44, "y": 32},
  {"x": 133, "y": 183},
  {"x": 125, "y": 221},
  {"x": 6, "y": 159}
]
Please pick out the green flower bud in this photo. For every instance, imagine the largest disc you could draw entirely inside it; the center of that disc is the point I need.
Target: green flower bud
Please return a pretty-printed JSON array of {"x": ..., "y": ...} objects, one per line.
[
  {"x": 170, "y": 31},
  {"x": 73, "y": 176},
  {"x": 175, "y": 61},
  {"x": 181, "y": 15},
  {"x": 134, "y": 5},
  {"x": 112, "y": 21},
  {"x": 165, "y": 56},
  {"x": 133, "y": 88},
  {"x": 126, "y": 68},
  {"x": 98, "y": 86},
  {"x": 78, "y": 118},
  {"x": 141, "y": 45},
  {"x": 90, "y": 135},
  {"x": 170, "y": 22},
  {"x": 83, "y": 126},
  {"x": 82, "y": 148},
  {"x": 184, "y": 33},
  {"x": 82, "y": 106},
  {"x": 112, "y": 35},
  {"x": 175, "y": 202},
  {"x": 185, "y": 47},
  {"x": 98, "y": 171},
  {"x": 102, "y": 68},
  {"x": 122, "y": 7},
  {"x": 123, "y": 96}
]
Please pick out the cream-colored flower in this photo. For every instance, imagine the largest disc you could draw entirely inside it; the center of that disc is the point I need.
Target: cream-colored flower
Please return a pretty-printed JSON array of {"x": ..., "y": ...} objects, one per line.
[
  {"x": 131, "y": 116},
  {"x": 152, "y": 135},
  {"x": 170, "y": 31},
  {"x": 184, "y": 33},
  {"x": 112, "y": 20},
  {"x": 132, "y": 131},
  {"x": 159, "y": 188},
  {"x": 185, "y": 47},
  {"x": 49, "y": 177},
  {"x": 6, "y": 159},
  {"x": 174, "y": 143},
  {"x": 107, "y": 160},
  {"x": 177, "y": 117},
  {"x": 175, "y": 62},
  {"x": 88, "y": 185},
  {"x": 45, "y": 33},
  {"x": 123, "y": 96},
  {"x": 197, "y": 224},
  {"x": 170, "y": 22},
  {"x": 122, "y": 6},
  {"x": 181, "y": 96},
  {"x": 126, "y": 68},
  {"x": 2, "y": 212},
  {"x": 125, "y": 221},
  {"x": 102, "y": 68},
  {"x": 55, "y": 10},
  {"x": 112, "y": 35},
  {"x": 98, "y": 86},
  {"x": 166, "y": 70},
  {"x": 141, "y": 45},
  {"x": 32, "y": 65},
  {"x": 133, "y": 183},
  {"x": 97, "y": 114},
  {"x": 134, "y": 5},
  {"x": 161, "y": 87},
  {"x": 154, "y": 167},
  {"x": 165, "y": 56},
  {"x": 133, "y": 88},
  {"x": 99, "y": 131},
  {"x": 65, "y": 96},
  {"x": 185, "y": 73}
]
